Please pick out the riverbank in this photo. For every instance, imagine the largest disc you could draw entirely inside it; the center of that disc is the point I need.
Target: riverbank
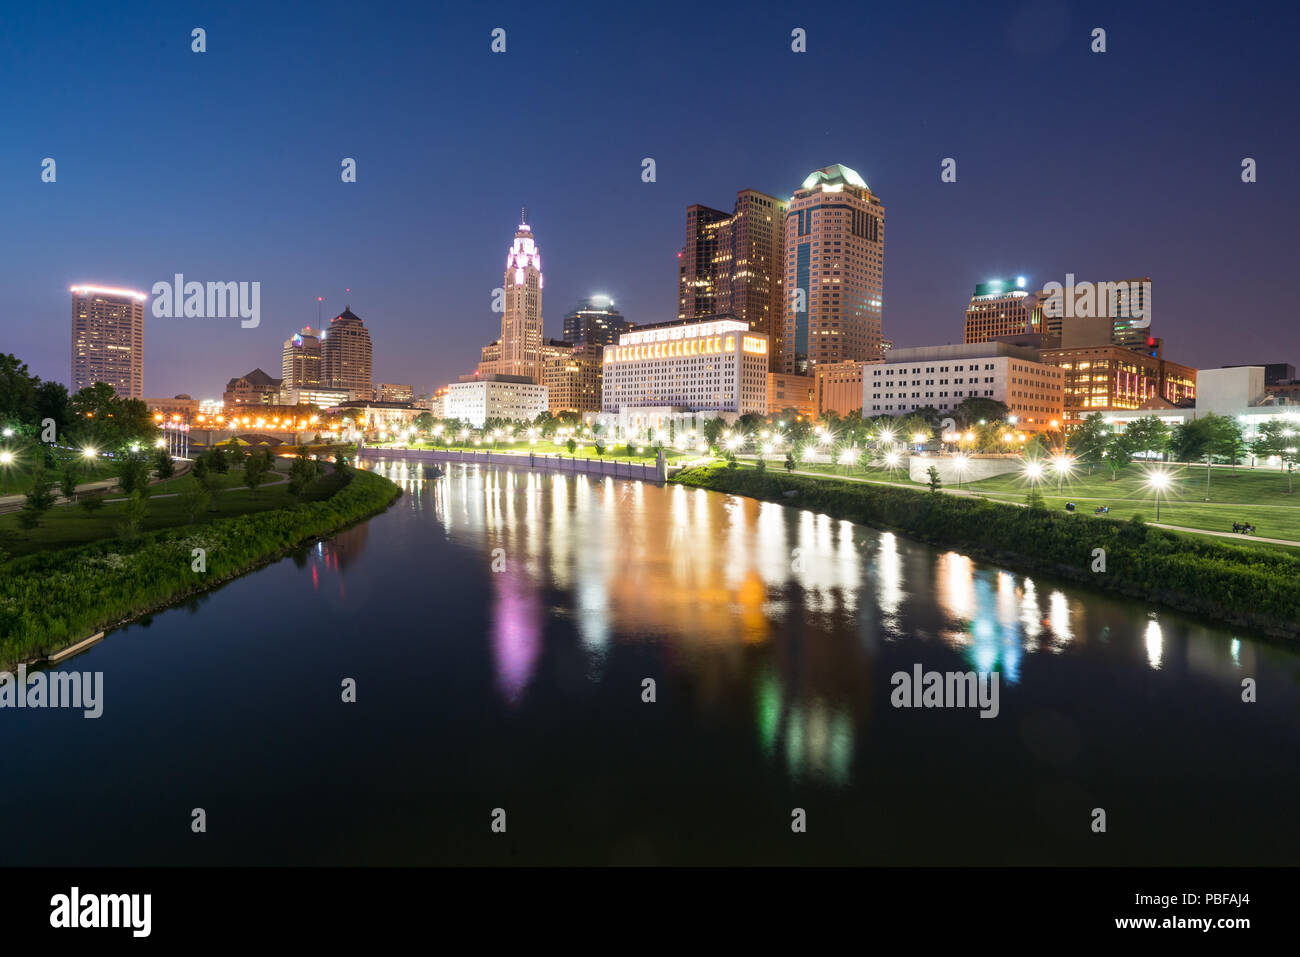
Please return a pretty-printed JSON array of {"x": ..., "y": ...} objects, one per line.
[
  {"x": 53, "y": 599},
  {"x": 1236, "y": 584}
]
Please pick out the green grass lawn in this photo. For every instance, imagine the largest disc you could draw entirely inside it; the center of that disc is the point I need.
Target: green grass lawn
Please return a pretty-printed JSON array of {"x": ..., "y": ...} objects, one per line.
[
  {"x": 16, "y": 478},
  {"x": 1257, "y": 496},
  {"x": 66, "y": 525}
]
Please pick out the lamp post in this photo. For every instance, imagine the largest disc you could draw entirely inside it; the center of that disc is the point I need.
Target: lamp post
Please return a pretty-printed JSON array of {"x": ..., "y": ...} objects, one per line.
[{"x": 1158, "y": 480}]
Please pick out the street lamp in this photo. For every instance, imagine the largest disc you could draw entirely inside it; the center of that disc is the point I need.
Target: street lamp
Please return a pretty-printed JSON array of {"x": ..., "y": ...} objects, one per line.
[
  {"x": 1034, "y": 472},
  {"x": 959, "y": 462},
  {"x": 1158, "y": 480},
  {"x": 1061, "y": 464},
  {"x": 6, "y": 457}
]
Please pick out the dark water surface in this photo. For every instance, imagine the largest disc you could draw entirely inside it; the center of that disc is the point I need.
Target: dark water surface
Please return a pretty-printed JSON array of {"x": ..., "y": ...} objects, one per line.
[{"x": 499, "y": 626}]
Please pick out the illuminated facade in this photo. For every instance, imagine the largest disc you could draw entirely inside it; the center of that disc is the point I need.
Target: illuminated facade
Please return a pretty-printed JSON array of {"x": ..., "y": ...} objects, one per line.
[
  {"x": 495, "y": 397},
  {"x": 300, "y": 360},
  {"x": 716, "y": 366},
  {"x": 731, "y": 265},
  {"x": 834, "y": 260},
  {"x": 573, "y": 379},
  {"x": 108, "y": 339},
  {"x": 252, "y": 388},
  {"x": 941, "y": 377},
  {"x": 785, "y": 391},
  {"x": 837, "y": 387},
  {"x": 596, "y": 322},
  {"x": 1106, "y": 378},
  {"x": 521, "y": 322},
  {"x": 395, "y": 392},
  {"x": 346, "y": 357},
  {"x": 1000, "y": 307}
]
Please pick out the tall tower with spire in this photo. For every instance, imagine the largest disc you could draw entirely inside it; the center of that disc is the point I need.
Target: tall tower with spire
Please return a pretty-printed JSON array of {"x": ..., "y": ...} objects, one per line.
[{"x": 521, "y": 323}]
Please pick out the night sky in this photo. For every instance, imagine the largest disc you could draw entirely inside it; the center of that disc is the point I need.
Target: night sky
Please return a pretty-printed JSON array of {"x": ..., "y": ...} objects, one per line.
[{"x": 225, "y": 165}]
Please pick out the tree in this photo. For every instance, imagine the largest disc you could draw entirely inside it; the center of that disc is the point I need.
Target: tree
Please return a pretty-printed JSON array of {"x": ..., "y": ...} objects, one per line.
[
  {"x": 713, "y": 430},
  {"x": 935, "y": 483},
  {"x": 1277, "y": 438},
  {"x": 219, "y": 460},
  {"x": 1206, "y": 437},
  {"x": 52, "y": 403},
  {"x": 68, "y": 481},
  {"x": 789, "y": 461},
  {"x": 163, "y": 466},
  {"x": 1119, "y": 452},
  {"x": 133, "y": 513},
  {"x": 571, "y": 445},
  {"x": 38, "y": 500},
  {"x": 600, "y": 446},
  {"x": 424, "y": 421},
  {"x": 974, "y": 408},
  {"x": 1034, "y": 498},
  {"x": 760, "y": 466},
  {"x": 302, "y": 473},
  {"x": 1090, "y": 440},
  {"x": 194, "y": 496},
  {"x": 17, "y": 393},
  {"x": 255, "y": 470},
  {"x": 1148, "y": 434},
  {"x": 133, "y": 473},
  {"x": 340, "y": 461}
]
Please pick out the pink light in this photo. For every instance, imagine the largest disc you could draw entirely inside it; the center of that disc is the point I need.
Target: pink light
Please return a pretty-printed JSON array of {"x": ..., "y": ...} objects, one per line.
[
  {"x": 109, "y": 291},
  {"x": 519, "y": 277}
]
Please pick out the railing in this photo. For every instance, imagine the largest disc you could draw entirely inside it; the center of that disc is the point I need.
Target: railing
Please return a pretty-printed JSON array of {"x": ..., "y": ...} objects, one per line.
[{"x": 532, "y": 460}]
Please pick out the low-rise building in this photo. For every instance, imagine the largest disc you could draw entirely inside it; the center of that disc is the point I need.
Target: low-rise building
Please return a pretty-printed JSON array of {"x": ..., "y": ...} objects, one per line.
[
  {"x": 838, "y": 386},
  {"x": 789, "y": 391},
  {"x": 252, "y": 388},
  {"x": 942, "y": 377},
  {"x": 516, "y": 398}
]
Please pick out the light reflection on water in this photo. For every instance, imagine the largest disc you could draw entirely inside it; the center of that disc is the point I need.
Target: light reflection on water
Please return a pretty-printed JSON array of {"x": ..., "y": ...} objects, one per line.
[{"x": 710, "y": 575}]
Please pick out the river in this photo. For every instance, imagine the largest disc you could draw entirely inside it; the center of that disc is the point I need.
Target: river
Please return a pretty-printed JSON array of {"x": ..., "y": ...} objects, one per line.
[{"x": 500, "y": 628}]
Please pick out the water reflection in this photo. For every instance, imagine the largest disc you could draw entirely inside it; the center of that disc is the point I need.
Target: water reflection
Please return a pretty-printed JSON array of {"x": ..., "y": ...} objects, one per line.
[{"x": 711, "y": 578}]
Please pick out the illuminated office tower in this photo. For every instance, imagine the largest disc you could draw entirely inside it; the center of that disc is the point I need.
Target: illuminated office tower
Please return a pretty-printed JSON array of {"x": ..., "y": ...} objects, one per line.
[
  {"x": 1000, "y": 307},
  {"x": 834, "y": 261},
  {"x": 300, "y": 360},
  {"x": 730, "y": 265},
  {"x": 346, "y": 357},
  {"x": 108, "y": 339}
]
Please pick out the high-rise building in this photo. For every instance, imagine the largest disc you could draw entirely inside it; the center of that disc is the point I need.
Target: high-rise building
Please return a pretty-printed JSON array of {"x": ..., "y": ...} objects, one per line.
[
  {"x": 595, "y": 321},
  {"x": 573, "y": 379},
  {"x": 1123, "y": 308},
  {"x": 730, "y": 265},
  {"x": 346, "y": 358},
  {"x": 1000, "y": 307},
  {"x": 834, "y": 262},
  {"x": 521, "y": 322},
  {"x": 788, "y": 391},
  {"x": 300, "y": 360},
  {"x": 108, "y": 339}
]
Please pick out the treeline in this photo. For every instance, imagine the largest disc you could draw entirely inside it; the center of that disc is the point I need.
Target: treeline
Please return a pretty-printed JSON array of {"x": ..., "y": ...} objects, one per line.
[
  {"x": 1233, "y": 583},
  {"x": 50, "y": 600}
]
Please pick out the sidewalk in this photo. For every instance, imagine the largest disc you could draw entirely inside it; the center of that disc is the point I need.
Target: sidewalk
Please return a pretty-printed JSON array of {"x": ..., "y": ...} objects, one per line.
[{"x": 12, "y": 503}]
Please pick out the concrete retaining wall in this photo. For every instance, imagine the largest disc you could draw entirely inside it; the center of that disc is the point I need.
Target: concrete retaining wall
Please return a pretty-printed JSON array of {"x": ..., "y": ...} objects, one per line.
[
  {"x": 514, "y": 460},
  {"x": 976, "y": 468}
]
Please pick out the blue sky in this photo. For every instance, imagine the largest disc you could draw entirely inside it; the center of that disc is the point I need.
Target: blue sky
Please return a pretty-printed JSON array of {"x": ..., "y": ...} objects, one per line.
[{"x": 224, "y": 166}]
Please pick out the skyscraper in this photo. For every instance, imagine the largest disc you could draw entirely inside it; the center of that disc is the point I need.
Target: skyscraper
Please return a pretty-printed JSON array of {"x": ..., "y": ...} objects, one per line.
[
  {"x": 346, "y": 359},
  {"x": 300, "y": 364},
  {"x": 731, "y": 264},
  {"x": 521, "y": 323},
  {"x": 834, "y": 261},
  {"x": 595, "y": 321},
  {"x": 108, "y": 339},
  {"x": 1000, "y": 307}
]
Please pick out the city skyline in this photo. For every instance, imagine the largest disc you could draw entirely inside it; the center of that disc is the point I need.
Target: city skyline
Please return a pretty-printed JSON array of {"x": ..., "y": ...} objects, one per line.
[{"x": 421, "y": 257}]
